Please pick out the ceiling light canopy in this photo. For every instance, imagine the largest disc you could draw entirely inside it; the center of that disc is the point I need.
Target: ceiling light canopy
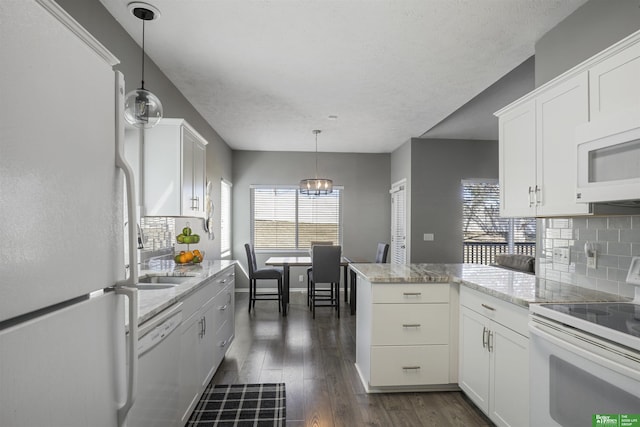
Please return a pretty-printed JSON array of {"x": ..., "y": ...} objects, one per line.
[
  {"x": 142, "y": 108},
  {"x": 316, "y": 186}
]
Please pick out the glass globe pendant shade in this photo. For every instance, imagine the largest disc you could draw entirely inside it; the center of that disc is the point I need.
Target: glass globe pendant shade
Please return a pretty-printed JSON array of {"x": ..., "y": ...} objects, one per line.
[{"x": 142, "y": 108}]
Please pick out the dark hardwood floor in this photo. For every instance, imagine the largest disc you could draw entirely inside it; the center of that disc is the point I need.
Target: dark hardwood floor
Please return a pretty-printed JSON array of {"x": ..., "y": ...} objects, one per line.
[{"x": 315, "y": 358}]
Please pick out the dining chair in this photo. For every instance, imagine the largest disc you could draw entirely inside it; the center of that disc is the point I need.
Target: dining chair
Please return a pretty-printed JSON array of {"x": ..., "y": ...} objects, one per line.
[
  {"x": 255, "y": 274},
  {"x": 381, "y": 253},
  {"x": 313, "y": 243},
  {"x": 325, "y": 263}
]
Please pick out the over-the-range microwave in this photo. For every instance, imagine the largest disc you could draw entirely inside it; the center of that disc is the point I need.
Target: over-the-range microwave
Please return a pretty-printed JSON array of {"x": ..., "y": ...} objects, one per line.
[{"x": 609, "y": 159}]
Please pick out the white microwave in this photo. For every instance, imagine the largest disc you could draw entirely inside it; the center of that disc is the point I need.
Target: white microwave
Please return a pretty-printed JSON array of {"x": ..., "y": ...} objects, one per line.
[{"x": 609, "y": 159}]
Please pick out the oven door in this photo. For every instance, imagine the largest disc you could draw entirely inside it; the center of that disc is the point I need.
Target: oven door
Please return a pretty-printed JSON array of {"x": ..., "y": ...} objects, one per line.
[{"x": 575, "y": 376}]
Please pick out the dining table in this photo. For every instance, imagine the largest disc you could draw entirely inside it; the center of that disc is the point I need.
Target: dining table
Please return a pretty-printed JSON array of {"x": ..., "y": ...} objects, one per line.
[{"x": 286, "y": 262}]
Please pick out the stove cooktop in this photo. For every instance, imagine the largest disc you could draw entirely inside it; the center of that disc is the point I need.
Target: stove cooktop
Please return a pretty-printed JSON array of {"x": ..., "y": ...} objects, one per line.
[{"x": 619, "y": 316}]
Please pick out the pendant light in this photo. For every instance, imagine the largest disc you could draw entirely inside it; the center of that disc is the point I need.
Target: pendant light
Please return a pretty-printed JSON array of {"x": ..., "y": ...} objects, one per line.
[
  {"x": 316, "y": 186},
  {"x": 142, "y": 108}
]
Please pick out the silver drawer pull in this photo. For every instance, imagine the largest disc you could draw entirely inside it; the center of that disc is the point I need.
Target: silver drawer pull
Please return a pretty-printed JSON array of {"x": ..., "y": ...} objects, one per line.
[
  {"x": 410, "y": 368},
  {"x": 223, "y": 343},
  {"x": 223, "y": 307},
  {"x": 411, "y": 325},
  {"x": 488, "y": 307},
  {"x": 412, "y": 294}
]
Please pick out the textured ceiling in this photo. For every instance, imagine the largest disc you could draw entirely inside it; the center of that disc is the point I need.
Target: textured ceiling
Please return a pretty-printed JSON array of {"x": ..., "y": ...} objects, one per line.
[{"x": 265, "y": 73}]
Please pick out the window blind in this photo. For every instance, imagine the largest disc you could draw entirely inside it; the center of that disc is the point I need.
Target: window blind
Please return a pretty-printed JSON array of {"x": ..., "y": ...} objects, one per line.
[
  {"x": 481, "y": 216},
  {"x": 282, "y": 219}
]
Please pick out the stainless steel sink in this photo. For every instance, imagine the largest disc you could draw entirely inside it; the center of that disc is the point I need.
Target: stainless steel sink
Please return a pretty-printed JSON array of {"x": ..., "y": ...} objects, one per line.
[
  {"x": 155, "y": 286},
  {"x": 164, "y": 279}
]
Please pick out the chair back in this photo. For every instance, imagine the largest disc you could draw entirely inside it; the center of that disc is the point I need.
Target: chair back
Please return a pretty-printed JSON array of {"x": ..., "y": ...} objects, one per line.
[
  {"x": 381, "y": 253},
  {"x": 251, "y": 259},
  {"x": 325, "y": 261}
]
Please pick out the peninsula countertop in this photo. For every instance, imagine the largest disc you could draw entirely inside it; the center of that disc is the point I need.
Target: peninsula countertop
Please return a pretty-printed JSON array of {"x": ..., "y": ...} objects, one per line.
[
  {"x": 511, "y": 286},
  {"x": 153, "y": 301}
]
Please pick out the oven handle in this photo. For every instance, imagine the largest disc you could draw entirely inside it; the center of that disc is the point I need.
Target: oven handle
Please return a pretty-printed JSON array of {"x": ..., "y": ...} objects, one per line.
[{"x": 538, "y": 329}]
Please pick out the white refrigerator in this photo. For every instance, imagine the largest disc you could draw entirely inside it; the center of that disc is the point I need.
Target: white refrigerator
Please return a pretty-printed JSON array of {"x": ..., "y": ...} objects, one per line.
[{"x": 64, "y": 355}]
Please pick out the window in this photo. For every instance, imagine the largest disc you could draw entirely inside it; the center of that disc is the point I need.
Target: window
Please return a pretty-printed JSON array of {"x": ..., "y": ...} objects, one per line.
[
  {"x": 485, "y": 233},
  {"x": 283, "y": 219},
  {"x": 225, "y": 218}
]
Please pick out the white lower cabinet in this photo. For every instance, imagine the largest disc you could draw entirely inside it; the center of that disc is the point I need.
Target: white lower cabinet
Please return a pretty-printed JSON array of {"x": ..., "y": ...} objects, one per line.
[
  {"x": 404, "y": 336},
  {"x": 494, "y": 355},
  {"x": 206, "y": 333}
]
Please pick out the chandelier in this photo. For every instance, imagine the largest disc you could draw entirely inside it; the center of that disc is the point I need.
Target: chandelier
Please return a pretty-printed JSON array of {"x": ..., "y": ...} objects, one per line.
[{"x": 316, "y": 186}]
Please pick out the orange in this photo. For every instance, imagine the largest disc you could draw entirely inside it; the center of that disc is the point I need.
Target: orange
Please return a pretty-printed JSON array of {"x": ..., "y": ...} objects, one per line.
[
  {"x": 189, "y": 256},
  {"x": 183, "y": 259},
  {"x": 197, "y": 253}
]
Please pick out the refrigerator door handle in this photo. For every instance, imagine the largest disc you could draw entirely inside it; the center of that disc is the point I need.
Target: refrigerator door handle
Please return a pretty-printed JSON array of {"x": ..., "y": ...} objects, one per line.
[
  {"x": 122, "y": 163},
  {"x": 132, "y": 362},
  {"x": 132, "y": 280}
]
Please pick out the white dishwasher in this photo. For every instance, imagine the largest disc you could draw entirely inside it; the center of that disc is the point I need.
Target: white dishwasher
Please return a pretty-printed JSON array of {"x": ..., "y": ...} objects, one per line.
[{"x": 156, "y": 401}]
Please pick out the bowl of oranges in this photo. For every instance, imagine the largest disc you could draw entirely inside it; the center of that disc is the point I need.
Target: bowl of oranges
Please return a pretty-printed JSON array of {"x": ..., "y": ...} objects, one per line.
[{"x": 189, "y": 257}]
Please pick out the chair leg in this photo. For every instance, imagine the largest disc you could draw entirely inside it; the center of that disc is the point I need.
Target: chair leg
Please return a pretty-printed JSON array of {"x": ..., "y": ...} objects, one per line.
[
  {"x": 338, "y": 298},
  {"x": 313, "y": 299},
  {"x": 250, "y": 293},
  {"x": 280, "y": 302}
]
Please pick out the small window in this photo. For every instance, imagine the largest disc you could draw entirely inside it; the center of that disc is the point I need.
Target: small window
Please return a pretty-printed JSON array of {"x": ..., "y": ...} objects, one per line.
[
  {"x": 283, "y": 219},
  {"x": 485, "y": 232},
  {"x": 225, "y": 218}
]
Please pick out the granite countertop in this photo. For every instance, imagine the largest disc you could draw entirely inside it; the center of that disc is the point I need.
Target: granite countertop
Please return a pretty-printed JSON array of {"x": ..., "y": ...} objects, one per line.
[
  {"x": 153, "y": 301},
  {"x": 512, "y": 286}
]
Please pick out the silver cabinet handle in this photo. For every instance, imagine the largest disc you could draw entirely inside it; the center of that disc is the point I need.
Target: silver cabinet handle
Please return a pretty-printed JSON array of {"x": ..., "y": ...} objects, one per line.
[
  {"x": 484, "y": 336},
  {"x": 538, "y": 199},
  {"x": 223, "y": 343},
  {"x": 488, "y": 307},
  {"x": 530, "y": 198},
  {"x": 410, "y": 368},
  {"x": 411, "y": 325},
  {"x": 490, "y": 341},
  {"x": 412, "y": 294},
  {"x": 223, "y": 307}
]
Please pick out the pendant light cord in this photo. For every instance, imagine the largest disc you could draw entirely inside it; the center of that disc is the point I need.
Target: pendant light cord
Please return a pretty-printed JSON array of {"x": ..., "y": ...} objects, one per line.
[
  {"x": 316, "y": 155},
  {"x": 143, "y": 54}
]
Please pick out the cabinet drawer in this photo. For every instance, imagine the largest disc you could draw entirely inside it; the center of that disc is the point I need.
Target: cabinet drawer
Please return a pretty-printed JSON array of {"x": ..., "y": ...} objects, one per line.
[
  {"x": 223, "y": 279},
  {"x": 410, "y": 324},
  {"x": 510, "y": 315},
  {"x": 409, "y": 365},
  {"x": 410, "y": 293}
]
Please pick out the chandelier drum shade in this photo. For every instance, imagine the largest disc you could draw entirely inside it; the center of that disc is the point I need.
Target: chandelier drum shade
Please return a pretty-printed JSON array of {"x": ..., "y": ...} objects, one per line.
[
  {"x": 316, "y": 186},
  {"x": 142, "y": 108}
]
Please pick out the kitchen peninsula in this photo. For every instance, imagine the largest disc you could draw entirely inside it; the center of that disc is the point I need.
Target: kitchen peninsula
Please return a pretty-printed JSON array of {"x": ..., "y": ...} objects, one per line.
[{"x": 428, "y": 327}]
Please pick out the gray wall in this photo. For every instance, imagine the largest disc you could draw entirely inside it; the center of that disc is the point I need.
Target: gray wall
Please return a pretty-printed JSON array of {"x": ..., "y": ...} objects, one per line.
[
  {"x": 95, "y": 18},
  {"x": 437, "y": 168},
  {"x": 366, "y": 202},
  {"x": 591, "y": 28}
]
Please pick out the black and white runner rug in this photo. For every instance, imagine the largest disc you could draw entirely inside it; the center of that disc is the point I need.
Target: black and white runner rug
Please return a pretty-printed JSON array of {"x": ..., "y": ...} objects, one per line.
[{"x": 241, "y": 405}]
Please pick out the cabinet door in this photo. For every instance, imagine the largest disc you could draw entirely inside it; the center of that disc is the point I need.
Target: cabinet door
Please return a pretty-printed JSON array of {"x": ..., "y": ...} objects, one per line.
[
  {"x": 188, "y": 199},
  {"x": 199, "y": 177},
  {"x": 190, "y": 336},
  {"x": 559, "y": 111},
  {"x": 614, "y": 83},
  {"x": 162, "y": 171},
  {"x": 509, "y": 403},
  {"x": 517, "y": 161},
  {"x": 474, "y": 357},
  {"x": 206, "y": 352}
]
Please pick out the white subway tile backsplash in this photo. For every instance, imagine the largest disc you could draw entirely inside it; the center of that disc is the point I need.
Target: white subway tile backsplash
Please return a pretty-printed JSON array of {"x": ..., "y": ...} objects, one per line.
[{"x": 617, "y": 239}]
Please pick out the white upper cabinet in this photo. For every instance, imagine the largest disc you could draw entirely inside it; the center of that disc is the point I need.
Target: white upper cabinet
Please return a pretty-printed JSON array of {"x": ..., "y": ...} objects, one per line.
[
  {"x": 174, "y": 174},
  {"x": 538, "y": 151},
  {"x": 558, "y": 111},
  {"x": 614, "y": 83},
  {"x": 538, "y": 147},
  {"x": 517, "y": 151}
]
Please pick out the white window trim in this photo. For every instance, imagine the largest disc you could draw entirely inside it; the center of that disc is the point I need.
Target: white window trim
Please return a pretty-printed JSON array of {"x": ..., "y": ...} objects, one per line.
[{"x": 226, "y": 252}]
